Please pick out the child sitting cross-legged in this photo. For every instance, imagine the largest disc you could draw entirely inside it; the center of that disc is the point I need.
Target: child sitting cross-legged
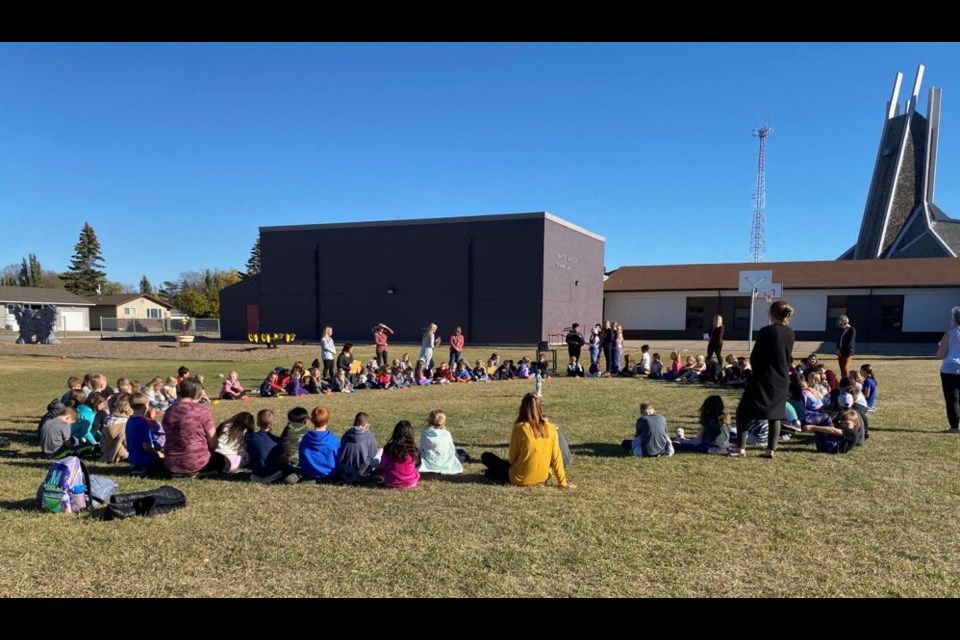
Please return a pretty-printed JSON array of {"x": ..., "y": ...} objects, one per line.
[
  {"x": 651, "y": 439},
  {"x": 145, "y": 437},
  {"x": 437, "y": 453},
  {"x": 359, "y": 455},
  {"x": 400, "y": 459},
  {"x": 267, "y": 460},
  {"x": 231, "y": 439},
  {"x": 319, "y": 448}
]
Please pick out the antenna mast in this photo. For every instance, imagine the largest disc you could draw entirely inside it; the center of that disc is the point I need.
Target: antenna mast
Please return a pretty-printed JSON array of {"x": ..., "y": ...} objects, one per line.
[{"x": 758, "y": 242}]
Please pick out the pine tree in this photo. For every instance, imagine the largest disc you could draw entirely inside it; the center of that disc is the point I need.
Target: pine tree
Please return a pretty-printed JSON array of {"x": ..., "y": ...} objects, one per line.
[
  {"x": 29, "y": 275},
  {"x": 253, "y": 264},
  {"x": 36, "y": 273},
  {"x": 85, "y": 273},
  {"x": 23, "y": 278},
  {"x": 145, "y": 287}
]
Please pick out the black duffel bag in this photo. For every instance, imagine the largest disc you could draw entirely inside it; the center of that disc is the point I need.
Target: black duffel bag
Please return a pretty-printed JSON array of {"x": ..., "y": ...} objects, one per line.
[{"x": 146, "y": 503}]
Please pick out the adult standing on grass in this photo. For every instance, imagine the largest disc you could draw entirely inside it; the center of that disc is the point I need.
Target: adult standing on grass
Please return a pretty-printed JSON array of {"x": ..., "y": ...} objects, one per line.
[
  {"x": 426, "y": 347},
  {"x": 765, "y": 397},
  {"x": 845, "y": 344},
  {"x": 949, "y": 351},
  {"x": 380, "y": 334},
  {"x": 606, "y": 341},
  {"x": 575, "y": 342},
  {"x": 456, "y": 347},
  {"x": 534, "y": 450},
  {"x": 715, "y": 345},
  {"x": 328, "y": 353}
]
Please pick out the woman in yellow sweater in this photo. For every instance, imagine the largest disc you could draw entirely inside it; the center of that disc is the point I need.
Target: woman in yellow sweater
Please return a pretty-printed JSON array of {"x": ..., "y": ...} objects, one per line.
[{"x": 534, "y": 450}]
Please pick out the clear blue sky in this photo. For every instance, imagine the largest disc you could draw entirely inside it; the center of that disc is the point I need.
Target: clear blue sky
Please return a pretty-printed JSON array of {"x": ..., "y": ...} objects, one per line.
[{"x": 647, "y": 144}]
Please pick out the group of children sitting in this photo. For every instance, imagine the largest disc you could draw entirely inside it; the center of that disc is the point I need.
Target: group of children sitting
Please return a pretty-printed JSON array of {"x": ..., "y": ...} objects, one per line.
[
  {"x": 308, "y": 451},
  {"x": 733, "y": 372},
  {"x": 90, "y": 417},
  {"x": 835, "y": 411},
  {"x": 351, "y": 376}
]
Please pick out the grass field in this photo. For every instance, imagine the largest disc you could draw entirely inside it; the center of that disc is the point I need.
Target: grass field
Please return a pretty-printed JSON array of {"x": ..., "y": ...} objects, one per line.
[{"x": 881, "y": 521}]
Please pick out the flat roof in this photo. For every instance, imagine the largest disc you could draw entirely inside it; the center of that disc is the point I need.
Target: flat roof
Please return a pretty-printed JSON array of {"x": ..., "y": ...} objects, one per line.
[
  {"x": 826, "y": 274},
  {"x": 420, "y": 221}
]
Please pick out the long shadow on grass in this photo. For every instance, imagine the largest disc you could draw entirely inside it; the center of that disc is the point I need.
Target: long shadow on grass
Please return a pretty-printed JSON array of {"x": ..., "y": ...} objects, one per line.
[
  {"x": 460, "y": 478},
  {"x": 599, "y": 450},
  {"x": 21, "y": 437},
  {"x": 30, "y": 504}
]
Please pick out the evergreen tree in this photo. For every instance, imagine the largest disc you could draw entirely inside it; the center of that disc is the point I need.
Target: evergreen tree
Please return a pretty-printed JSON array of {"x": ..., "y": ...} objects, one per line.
[
  {"x": 23, "y": 278},
  {"x": 36, "y": 273},
  {"x": 85, "y": 273},
  {"x": 29, "y": 273},
  {"x": 253, "y": 264},
  {"x": 145, "y": 287}
]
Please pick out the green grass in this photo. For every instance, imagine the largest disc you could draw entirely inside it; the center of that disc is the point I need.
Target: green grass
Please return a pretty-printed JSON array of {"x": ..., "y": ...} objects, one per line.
[{"x": 881, "y": 521}]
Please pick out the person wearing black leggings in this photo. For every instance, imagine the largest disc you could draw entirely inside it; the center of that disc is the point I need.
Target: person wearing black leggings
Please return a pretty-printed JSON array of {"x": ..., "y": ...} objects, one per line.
[
  {"x": 607, "y": 345},
  {"x": 765, "y": 397}
]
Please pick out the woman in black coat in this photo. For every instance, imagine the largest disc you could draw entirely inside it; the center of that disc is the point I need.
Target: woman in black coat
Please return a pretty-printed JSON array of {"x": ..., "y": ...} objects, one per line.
[
  {"x": 606, "y": 344},
  {"x": 715, "y": 345},
  {"x": 765, "y": 397}
]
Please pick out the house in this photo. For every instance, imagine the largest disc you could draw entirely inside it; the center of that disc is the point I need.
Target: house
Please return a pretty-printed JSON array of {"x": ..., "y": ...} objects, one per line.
[
  {"x": 73, "y": 311},
  {"x": 127, "y": 306}
]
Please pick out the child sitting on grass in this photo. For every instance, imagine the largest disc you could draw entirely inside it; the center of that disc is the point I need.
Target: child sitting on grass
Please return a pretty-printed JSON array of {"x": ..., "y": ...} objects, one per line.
[
  {"x": 400, "y": 459},
  {"x": 838, "y": 440},
  {"x": 359, "y": 453},
  {"x": 145, "y": 437},
  {"x": 270, "y": 386},
  {"x": 437, "y": 453},
  {"x": 651, "y": 439},
  {"x": 268, "y": 463},
  {"x": 714, "y": 433},
  {"x": 293, "y": 433},
  {"x": 319, "y": 448},
  {"x": 231, "y": 438}
]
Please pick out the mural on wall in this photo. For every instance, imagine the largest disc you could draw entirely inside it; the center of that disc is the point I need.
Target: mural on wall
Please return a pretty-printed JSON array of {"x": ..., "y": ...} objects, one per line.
[{"x": 37, "y": 326}]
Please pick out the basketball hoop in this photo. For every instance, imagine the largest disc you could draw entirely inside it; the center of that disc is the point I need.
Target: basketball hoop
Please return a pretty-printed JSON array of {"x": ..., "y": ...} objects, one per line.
[{"x": 769, "y": 297}]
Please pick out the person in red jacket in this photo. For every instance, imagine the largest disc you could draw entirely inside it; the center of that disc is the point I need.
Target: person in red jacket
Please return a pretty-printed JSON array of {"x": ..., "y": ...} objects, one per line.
[
  {"x": 380, "y": 334},
  {"x": 456, "y": 347}
]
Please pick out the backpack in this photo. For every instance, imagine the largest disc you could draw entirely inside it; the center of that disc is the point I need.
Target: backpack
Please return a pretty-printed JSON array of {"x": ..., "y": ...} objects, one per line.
[{"x": 66, "y": 489}]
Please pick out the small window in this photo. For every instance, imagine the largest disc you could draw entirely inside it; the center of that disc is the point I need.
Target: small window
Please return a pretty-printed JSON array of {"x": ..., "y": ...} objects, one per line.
[
  {"x": 891, "y": 317},
  {"x": 153, "y": 314},
  {"x": 129, "y": 311},
  {"x": 695, "y": 313},
  {"x": 836, "y": 307}
]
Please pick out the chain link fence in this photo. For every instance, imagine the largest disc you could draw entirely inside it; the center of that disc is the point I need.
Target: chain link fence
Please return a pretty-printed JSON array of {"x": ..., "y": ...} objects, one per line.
[{"x": 147, "y": 327}]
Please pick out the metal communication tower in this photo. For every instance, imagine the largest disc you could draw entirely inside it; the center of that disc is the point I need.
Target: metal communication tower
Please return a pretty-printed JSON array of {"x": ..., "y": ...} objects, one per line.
[{"x": 758, "y": 242}]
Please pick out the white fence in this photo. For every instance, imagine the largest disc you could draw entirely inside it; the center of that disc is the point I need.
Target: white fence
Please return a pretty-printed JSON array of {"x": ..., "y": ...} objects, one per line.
[{"x": 146, "y": 327}]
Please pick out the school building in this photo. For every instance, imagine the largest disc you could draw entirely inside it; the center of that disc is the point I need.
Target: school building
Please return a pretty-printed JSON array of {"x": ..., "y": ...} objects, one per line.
[
  {"x": 505, "y": 279},
  {"x": 900, "y": 300}
]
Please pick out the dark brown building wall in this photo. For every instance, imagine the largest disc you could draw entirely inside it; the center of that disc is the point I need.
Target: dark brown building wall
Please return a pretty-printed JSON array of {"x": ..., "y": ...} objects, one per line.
[
  {"x": 572, "y": 279},
  {"x": 496, "y": 277}
]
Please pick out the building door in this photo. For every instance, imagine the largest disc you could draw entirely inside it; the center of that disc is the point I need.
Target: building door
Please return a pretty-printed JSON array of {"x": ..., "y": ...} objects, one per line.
[{"x": 253, "y": 318}]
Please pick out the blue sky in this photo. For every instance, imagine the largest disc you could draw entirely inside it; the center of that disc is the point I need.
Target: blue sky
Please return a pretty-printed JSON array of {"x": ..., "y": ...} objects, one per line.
[{"x": 177, "y": 153}]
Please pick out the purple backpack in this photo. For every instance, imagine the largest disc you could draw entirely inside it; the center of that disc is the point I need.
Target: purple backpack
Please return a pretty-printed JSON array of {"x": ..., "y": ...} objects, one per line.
[{"x": 66, "y": 489}]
